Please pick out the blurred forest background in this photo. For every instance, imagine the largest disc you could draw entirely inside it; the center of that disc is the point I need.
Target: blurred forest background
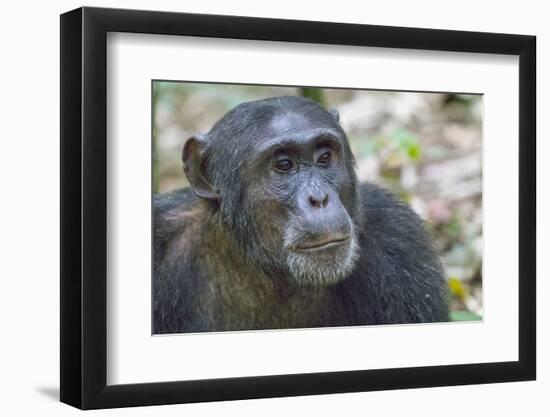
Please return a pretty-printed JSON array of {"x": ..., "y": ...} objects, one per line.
[{"x": 426, "y": 147}]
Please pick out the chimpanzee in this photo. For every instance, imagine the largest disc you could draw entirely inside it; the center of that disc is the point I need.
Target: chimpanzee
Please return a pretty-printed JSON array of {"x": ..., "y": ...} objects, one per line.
[{"x": 276, "y": 232}]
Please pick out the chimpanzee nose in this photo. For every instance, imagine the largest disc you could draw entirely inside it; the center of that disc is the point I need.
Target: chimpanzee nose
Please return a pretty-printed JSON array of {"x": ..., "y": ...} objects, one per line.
[{"x": 319, "y": 199}]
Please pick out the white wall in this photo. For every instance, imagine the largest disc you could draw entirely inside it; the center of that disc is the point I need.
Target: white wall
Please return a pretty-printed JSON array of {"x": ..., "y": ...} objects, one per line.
[{"x": 29, "y": 225}]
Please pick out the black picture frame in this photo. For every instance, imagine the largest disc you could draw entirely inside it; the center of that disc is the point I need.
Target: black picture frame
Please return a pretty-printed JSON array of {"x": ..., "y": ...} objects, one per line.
[{"x": 84, "y": 207}]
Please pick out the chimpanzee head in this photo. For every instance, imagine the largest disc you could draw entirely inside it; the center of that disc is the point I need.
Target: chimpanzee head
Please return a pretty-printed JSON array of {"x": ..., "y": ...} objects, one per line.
[{"x": 280, "y": 175}]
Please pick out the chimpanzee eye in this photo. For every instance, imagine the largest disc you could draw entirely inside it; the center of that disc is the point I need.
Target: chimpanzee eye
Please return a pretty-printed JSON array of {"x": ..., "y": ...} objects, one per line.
[
  {"x": 324, "y": 159},
  {"x": 284, "y": 165}
]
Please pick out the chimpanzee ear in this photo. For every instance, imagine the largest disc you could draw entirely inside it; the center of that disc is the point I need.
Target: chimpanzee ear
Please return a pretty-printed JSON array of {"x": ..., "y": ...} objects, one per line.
[
  {"x": 335, "y": 114},
  {"x": 194, "y": 158}
]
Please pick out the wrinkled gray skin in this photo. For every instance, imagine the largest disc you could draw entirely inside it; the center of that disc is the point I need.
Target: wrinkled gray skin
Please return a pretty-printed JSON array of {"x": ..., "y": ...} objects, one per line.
[{"x": 276, "y": 232}]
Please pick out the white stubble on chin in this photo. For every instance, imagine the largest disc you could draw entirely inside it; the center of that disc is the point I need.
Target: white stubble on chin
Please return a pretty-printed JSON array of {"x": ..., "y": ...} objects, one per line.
[{"x": 323, "y": 268}]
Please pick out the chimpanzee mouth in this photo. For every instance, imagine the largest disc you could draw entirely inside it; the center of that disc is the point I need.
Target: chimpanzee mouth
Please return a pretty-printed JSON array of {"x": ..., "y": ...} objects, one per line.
[{"x": 322, "y": 244}]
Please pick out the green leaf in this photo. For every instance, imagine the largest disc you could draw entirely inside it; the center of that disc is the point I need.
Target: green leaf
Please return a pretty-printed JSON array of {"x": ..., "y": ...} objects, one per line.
[
  {"x": 408, "y": 143},
  {"x": 414, "y": 152},
  {"x": 457, "y": 289},
  {"x": 316, "y": 94},
  {"x": 464, "y": 316}
]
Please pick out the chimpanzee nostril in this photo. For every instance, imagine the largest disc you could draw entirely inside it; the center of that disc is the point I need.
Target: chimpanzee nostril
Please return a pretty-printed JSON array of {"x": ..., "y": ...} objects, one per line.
[{"x": 319, "y": 201}]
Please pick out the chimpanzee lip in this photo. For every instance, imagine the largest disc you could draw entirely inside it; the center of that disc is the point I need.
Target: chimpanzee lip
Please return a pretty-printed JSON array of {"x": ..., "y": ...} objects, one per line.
[{"x": 320, "y": 244}]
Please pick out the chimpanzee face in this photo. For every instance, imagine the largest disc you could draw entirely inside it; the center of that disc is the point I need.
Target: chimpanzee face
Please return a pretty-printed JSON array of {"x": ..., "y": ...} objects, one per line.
[
  {"x": 298, "y": 190},
  {"x": 285, "y": 181}
]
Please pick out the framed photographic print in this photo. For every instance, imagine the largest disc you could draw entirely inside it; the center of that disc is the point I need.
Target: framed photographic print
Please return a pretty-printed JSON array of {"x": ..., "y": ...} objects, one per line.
[{"x": 256, "y": 208}]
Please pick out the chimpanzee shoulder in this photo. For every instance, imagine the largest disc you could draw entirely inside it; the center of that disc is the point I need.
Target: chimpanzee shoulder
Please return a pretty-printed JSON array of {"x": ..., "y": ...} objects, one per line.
[
  {"x": 399, "y": 278},
  {"x": 177, "y": 224},
  {"x": 169, "y": 211}
]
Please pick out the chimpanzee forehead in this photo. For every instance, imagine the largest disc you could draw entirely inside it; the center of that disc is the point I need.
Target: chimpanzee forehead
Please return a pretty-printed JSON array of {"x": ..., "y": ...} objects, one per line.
[
  {"x": 287, "y": 123},
  {"x": 253, "y": 123},
  {"x": 295, "y": 120}
]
